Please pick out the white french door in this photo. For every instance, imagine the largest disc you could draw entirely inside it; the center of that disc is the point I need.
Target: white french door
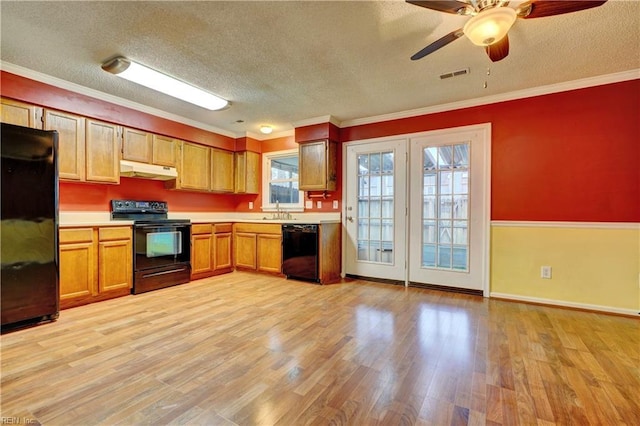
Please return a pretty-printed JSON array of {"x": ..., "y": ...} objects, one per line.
[
  {"x": 417, "y": 208},
  {"x": 449, "y": 208},
  {"x": 375, "y": 206}
]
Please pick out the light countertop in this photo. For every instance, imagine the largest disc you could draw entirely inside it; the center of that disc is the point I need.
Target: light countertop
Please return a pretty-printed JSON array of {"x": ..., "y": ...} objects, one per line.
[{"x": 78, "y": 219}]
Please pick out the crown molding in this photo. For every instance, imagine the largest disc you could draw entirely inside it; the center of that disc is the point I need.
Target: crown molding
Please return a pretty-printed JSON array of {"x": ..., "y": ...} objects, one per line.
[
  {"x": 519, "y": 94},
  {"x": 486, "y": 100},
  {"x": 261, "y": 137},
  {"x": 76, "y": 88},
  {"x": 317, "y": 120}
]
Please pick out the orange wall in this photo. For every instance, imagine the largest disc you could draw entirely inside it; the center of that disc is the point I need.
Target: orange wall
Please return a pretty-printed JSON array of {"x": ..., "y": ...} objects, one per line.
[
  {"x": 570, "y": 156},
  {"x": 96, "y": 197}
]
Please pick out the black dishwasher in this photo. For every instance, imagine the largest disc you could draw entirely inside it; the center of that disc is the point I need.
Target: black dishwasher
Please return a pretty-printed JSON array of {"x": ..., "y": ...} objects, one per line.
[{"x": 300, "y": 252}]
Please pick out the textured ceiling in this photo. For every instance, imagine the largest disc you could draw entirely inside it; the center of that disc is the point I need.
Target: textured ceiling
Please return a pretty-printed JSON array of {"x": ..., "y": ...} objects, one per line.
[{"x": 284, "y": 62}]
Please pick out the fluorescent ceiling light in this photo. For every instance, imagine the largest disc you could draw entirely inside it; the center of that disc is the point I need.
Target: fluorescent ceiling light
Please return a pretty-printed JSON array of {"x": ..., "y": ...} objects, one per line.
[
  {"x": 490, "y": 26},
  {"x": 123, "y": 67}
]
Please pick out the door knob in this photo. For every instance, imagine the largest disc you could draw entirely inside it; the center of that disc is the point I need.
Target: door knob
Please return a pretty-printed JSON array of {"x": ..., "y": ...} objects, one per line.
[{"x": 350, "y": 218}]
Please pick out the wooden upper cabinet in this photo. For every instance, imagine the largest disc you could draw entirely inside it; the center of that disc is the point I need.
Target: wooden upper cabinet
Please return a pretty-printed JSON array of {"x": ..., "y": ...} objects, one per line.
[
  {"x": 144, "y": 147},
  {"x": 136, "y": 145},
  {"x": 102, "y": 151},
  {"x": 71, "y": 143},
  {"x": 194, "y": 171},
  {"x": 222, "y": 177},
  {"x": 247, "y": 172},
  {"x": 318, "y": 165},
  {"x": 165, "y": 151},
  {"x": 21, "y": 114}
]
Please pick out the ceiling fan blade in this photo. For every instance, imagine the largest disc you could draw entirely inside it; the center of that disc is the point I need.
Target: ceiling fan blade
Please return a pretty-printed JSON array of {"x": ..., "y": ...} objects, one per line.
[
  {"x": 441, "y": 42},
  {"x": 450, "y": 6},
  {"x": 542, "y": 8},
  {"x": 498, "y": 51}
]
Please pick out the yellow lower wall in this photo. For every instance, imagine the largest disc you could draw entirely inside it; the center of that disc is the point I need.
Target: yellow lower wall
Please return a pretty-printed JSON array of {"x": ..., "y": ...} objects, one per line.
[{"x": 591, "y": 266}]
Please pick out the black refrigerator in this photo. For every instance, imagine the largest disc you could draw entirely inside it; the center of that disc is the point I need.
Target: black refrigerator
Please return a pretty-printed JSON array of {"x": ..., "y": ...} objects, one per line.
[{"x": 29, "y": 290}]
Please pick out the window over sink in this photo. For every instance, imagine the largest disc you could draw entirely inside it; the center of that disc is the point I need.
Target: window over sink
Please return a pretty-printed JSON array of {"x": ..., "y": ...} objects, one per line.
[{"x": 280, "y": 187}]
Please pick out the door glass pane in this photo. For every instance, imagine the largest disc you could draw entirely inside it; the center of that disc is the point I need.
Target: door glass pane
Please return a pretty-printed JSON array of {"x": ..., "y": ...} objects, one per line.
[
  {"x": 429, "y": 231},
  {"x": 460, "y": 258},
  {"x": 387, "y": 185},
  {"x": 445, "y": 211},
  {"x": 375, "y": 207},
  {"x": 444, "y": 256},
  {"x": 460, "y": 206},
  {"x": 429, "y": 255},
  {"x": 429, "y": 207}
]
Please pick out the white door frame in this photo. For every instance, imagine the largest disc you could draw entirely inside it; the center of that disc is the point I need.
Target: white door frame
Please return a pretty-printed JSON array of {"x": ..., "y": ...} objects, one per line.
[
  {"x": 485, "y": 130},
  {"x": 395, "y": 271}
]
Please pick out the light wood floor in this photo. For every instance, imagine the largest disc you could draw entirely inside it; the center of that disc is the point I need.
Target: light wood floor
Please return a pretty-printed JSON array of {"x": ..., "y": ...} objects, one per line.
[{"x": 248, "y": 349}]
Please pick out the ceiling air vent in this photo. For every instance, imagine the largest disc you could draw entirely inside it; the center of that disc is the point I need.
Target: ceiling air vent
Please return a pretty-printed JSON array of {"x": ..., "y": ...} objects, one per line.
[{"x": 464, "y": 71}]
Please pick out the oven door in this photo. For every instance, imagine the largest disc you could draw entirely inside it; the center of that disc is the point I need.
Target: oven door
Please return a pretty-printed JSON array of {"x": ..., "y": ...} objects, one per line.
[{"x": 161, "y": 245}]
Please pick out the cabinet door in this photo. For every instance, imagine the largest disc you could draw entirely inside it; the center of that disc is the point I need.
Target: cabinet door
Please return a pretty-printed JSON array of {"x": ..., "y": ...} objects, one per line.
[
  {"x": 247, "y": 170},
  {"x": 71, "y": 143},
  {"x": 245, "y": 247},
  {"x": 21, "y": 114},
  {"x": 269, "y": 253},
  {"x": 318, "y": 166},
  {"x": 136, "y": 145},
  {"x": 115, "y": 264},
  {"x": 77, "y": 270},
  {"x": 222, "y": 170},
  {"x": 78, "y": 264},
  {"x": 195, "y": 167},
  {"x": 164, "y": 151},
  {"x": 201, "y": 254},
  {"x": 222, "y": 258},
  {"x": 102, "y": 152}
]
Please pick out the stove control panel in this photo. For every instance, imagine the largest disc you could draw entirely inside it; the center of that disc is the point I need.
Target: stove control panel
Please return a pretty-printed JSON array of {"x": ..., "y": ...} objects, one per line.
[{"x": 135, "y": 206}]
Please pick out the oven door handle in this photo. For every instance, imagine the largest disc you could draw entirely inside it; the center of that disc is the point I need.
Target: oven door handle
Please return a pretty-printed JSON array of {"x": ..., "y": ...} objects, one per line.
[{"x": 173, "y": 271}]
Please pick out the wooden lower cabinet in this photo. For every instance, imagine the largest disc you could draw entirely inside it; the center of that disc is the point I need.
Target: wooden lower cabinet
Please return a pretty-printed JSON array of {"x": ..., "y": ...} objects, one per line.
[
  {"x": 245, "y": 253},
  {"x": 269, "y": 253},
  {"x": 210, "y": 249},
  {"x": 329, "y": 252},
  {"x": 96, "y": 263},
  {"x": 258, "y": 247},
  {"x": 222, "y": 249}
]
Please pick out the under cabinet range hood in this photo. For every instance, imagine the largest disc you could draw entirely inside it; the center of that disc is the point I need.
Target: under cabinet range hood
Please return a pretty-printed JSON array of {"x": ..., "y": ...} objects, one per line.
[{"x": 147, "y": 171}]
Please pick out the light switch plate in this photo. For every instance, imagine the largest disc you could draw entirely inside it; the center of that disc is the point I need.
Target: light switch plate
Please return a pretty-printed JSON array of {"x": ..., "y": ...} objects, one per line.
[
  {"x": 335, "y": 204},
  {"x": 319, "y": 204},
  {"x": 308, "y": 204},
  {"x": 250, "y": 205}
]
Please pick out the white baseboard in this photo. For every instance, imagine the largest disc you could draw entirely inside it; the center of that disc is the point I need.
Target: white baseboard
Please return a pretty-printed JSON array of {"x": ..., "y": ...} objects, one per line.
[{"x": 566, "y": 304}]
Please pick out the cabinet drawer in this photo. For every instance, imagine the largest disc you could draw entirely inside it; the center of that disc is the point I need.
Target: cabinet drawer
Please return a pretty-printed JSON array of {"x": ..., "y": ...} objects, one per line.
[
  {"x": 115, "y": 233},
  {"x": 259, "y": 228},
  {"x": 76, "y": 235},
  {"x": 222, "y": 228},
  {"x": 201, "y": 228}
]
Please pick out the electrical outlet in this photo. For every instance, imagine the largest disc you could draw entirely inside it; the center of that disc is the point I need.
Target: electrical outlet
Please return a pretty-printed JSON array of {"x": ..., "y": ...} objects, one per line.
[
  {"x": 308, "y": 204},
  {"x": 335, "y": 204},
  {"x": 545, "y": 272},
  {"x": 319, "y": 204},
  {"x": 250, "y": 205}
]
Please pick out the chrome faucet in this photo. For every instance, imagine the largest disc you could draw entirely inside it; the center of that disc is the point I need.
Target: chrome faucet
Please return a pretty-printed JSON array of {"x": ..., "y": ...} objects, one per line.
[{"x": 280, "y": 214}]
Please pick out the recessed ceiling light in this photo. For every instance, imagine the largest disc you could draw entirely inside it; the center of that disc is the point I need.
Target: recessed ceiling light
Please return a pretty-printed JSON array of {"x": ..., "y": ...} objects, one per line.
[
  {"x": 265, "y": 129},
  {"x": 132, "y": 71}
]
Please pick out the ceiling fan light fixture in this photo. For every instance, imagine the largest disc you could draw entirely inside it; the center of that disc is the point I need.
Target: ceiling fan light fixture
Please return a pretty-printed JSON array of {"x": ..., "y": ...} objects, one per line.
[
  {"x": 132, "y": 71},
  {"x": 490, "y": 26}
]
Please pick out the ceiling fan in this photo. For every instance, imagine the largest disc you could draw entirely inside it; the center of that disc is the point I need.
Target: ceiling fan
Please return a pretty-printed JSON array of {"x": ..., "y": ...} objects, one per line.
[{"x": 491, "y": 20}]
